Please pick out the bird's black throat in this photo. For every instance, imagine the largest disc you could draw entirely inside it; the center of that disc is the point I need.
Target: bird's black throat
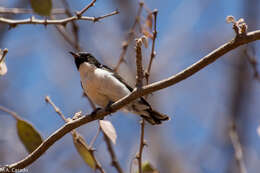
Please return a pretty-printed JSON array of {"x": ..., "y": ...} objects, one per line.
[{"x": 86, "y": 57}]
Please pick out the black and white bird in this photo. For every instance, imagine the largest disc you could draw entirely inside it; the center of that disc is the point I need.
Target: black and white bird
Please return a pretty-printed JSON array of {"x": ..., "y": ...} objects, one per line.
[{"x": 104, "y": 86}]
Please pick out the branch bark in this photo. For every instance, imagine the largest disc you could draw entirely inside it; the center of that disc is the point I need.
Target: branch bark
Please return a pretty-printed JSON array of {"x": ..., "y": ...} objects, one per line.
[
  {"x": 111, "y": 151},
  {"x": 99, "y": 114},
  {"x": 64, "y": 21}
]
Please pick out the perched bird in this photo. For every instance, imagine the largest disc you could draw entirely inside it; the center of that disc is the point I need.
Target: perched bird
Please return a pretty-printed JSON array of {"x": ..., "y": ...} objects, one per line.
[{"x": 104, "y": 86}]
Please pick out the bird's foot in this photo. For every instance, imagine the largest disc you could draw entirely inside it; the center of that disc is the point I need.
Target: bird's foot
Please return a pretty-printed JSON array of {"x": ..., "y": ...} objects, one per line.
[
  {"x": 95, "y": 111},
  {"x": 108, "y": 106}
]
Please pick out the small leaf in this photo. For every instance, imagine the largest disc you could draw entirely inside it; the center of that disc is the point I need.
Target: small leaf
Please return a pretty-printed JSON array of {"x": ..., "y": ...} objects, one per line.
[
  {"x": 230, "y": 19},
  {"x": 258, "y": 130},
  {"x": 148, "y": 168},
  {"x": 108, "y": 128},
  {"x": 41, "y": 7},
  {"x": 3, "y": 68},
  {"x": 28, "y": 135},
  {"x": 149, "y": 21},
  {"x": 83, "y": 149},
  {"x": 147, "y": 33}
]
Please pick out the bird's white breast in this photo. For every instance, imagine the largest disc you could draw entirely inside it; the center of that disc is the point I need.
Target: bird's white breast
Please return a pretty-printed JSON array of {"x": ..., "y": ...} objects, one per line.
[{"x": 100, "y": 85}]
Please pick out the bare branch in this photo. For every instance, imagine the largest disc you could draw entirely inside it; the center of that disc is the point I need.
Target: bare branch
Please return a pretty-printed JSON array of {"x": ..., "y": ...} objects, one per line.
[
  {"x": 57, "y": 110},
  {"x": 129, "y": 37},
  {"x": 79, "y": 14},
  {"x": 95, "y": 137},
  {"x": 12, "y": 113},
  {"x": 237, "y": 147},
  {"x": 111, "y": 151},
  {"x": 147, "y": 71},
  {"x": 74, "y": 132},
  {"x": 141, "y": 147},
  {"x": 64, "y": 21},
  {"x": 252, "y": 61},
  {"x": 139, "y": 66},
  {"x": 99, "y": 114},
  {"x": 75, "y": 27}
]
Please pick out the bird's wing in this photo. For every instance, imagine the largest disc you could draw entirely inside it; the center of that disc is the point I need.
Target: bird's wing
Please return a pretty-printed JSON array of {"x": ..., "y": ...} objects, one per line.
[
  {"x": 142, "y": 100},
  {"x": 116, "y": 75}
]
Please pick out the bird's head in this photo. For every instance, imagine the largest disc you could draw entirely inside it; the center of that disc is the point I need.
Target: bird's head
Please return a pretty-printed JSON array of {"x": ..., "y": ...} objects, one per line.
[{"x": 85, "y": 57}]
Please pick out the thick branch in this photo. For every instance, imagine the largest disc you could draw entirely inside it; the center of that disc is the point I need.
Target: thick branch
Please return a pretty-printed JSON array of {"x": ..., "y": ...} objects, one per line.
[{"x": 208, "y": 59}]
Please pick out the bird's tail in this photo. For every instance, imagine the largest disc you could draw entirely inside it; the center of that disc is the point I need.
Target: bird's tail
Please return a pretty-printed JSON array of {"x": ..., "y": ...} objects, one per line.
[{"x": 155, "y": 117}]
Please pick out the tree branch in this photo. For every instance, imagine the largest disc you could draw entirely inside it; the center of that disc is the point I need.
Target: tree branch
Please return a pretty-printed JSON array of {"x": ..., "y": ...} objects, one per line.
[
  {"x": 111, "y": 151},
  {"x": 233, "y": 134},
  {"x": 33, "y": 20},
  {"x": 139, "y": 66},
  {"x": 75, "y": 133},
  {"x": 189, "y": 71},
  {"x": 141, "y": 147},
  {"x": 129, "y": 37},
  {"x": 147, "y": 71},
  {"x": 91, "y": 4}
]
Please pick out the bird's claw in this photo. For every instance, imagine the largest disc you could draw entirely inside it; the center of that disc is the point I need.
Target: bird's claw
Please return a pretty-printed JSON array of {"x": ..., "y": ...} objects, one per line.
[
  {"x": 108, "y": 106},
  {"x": 95, "y": 111}
]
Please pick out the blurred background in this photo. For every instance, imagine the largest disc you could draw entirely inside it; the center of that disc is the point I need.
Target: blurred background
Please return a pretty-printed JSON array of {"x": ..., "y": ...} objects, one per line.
[{"x": 202, "y": 108}]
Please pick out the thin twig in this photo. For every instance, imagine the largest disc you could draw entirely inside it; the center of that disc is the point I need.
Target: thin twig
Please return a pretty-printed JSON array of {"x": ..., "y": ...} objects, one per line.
[
  {"x": 4, "y": 10},
  {"x": 95, "y": 137},
  {"x": 111, "y": 151},
  {"x": 80, "y": 13},
  {"x": 252, "y": 61},
  {"x": 129, "y": 37},
  {"x": 75, "y": 27},
  {"x": 147, "y": 71},
  {"x": 141, "y": 147},
  {"x": 67, "y": 37},
  {"x": 12, "y": 113},
  {"x": 139, "y": 66},
  {"x": 33, "y": 20},
  {"x": 3, "y": 52},
  {"x": 74, "y": 132},
  {"x": 57, "y": 110},
  {"x": 184, "y": 74},
  {"x": 237, "y": 147}
]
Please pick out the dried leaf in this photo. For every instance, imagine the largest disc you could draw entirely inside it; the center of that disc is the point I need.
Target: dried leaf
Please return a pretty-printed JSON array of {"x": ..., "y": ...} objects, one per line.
[
  {"x": 108, "y": 128},
  {"x": 147, "y": 33},
  {"x": 41, "y": 7},
  {"x": 148, "y": 168},
  {"x": 145, "y": 41},
  {"x": 3, "y": 68},
  {"x": 230, "y": 19},
  {"x": 258, "y": 130},
  {"x": 83, "y": 149},
  {"x": 149, "y": 21},
  {"x": 28, "y": 135}
]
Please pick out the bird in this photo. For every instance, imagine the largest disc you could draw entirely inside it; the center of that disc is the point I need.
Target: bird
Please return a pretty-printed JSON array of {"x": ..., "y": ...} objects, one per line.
[{"x": 104, "y": 86}]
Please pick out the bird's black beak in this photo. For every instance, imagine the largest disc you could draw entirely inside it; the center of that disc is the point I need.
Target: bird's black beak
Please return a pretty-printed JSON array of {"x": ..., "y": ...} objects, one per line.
[{"x": 76, "y": 55}]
